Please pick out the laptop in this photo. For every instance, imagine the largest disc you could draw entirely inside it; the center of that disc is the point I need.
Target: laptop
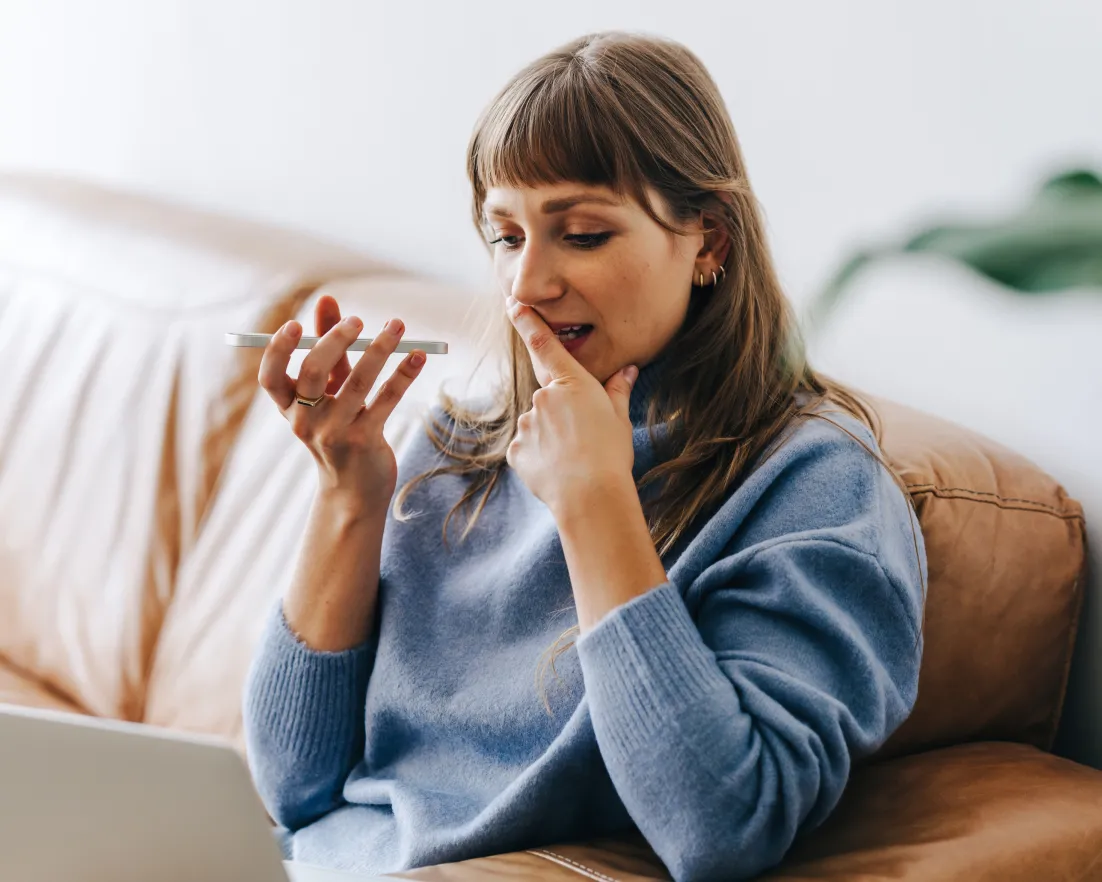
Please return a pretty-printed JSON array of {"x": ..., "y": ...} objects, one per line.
[{"x": 84, "y": 799}]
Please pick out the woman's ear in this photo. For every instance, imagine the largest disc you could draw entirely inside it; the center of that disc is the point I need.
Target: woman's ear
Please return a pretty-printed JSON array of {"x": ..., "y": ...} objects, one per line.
[{"x": 717, "y": 243}]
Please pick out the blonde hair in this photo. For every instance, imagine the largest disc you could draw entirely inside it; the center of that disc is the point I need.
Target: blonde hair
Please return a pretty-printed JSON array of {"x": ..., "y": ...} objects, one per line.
[{"x": 629, "y": 111}]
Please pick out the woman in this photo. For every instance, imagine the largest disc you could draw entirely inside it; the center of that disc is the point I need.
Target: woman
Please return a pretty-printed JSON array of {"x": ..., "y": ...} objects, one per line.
[{"x": 662, "y": 580}]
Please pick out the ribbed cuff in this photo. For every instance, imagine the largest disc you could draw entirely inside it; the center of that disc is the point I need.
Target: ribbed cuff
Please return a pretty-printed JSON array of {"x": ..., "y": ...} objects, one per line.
[
  {"x": 308, "y": 702},
  {"x": 643, "y": 664}
]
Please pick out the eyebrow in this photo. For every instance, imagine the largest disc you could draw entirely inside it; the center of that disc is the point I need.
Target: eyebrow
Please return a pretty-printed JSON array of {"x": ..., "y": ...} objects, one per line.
[{"x": 554, "y": 206}]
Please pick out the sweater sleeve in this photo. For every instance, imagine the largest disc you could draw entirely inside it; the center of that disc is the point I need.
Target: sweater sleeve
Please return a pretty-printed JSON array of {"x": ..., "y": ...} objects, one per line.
[
  {"x": 304, "y": 716},
  {"x": 726, "y": 736}
]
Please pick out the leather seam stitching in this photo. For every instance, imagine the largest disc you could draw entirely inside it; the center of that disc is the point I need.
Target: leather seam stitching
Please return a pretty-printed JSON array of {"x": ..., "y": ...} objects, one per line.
[
  {"x": 570, "y": 864},
  {"x": 996, "y": 499}
]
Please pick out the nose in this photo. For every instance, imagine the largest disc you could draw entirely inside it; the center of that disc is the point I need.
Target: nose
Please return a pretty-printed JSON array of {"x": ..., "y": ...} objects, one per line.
[{"x": 535, "y": 277}]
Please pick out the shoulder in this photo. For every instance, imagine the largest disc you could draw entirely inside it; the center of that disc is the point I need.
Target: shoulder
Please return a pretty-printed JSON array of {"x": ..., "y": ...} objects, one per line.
[
  {"x": 828, "y": 480},
  {"x": 824, "y": 505},
  {"x": 824, "y": 439},
  {"x": 821, "y": 469},
  {"x": 827, "y": 436}
]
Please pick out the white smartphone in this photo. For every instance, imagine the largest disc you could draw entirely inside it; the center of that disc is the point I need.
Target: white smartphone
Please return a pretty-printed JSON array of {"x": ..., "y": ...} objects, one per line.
[{"x": 429, "y": 347}]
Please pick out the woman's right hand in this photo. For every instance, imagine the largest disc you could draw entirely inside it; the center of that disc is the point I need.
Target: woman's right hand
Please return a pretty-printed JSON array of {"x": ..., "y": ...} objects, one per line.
[{"x": 344, "y": 435}]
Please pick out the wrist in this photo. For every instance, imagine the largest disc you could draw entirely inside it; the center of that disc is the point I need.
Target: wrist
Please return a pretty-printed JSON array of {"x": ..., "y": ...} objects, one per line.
[
  {"x": 348, "y": 509},
  {"x": 596, "y": 499},
  {"x": 609, "y": 551}
]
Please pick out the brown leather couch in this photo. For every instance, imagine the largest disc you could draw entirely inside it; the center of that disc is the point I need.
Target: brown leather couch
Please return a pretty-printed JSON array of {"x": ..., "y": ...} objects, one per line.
[{"x": 151, "y": 506}]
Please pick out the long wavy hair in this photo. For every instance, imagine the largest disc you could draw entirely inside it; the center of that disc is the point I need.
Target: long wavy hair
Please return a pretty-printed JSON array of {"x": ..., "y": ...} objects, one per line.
[{"x": 628, "y": 111}]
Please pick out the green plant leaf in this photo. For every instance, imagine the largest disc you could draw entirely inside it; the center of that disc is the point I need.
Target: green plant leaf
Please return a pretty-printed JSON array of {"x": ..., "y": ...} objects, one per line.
[{"x": 1053, "y": 244}]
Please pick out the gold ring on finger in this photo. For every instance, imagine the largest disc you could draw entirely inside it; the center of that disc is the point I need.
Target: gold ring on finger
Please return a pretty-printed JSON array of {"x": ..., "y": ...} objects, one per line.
[{"x": 309, "y": 402}]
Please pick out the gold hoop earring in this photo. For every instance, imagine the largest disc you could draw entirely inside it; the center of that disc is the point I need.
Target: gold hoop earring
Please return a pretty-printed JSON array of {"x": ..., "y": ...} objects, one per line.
[
  {"x": 715, "y": 281},
  {"x": 700, "y": 282}
]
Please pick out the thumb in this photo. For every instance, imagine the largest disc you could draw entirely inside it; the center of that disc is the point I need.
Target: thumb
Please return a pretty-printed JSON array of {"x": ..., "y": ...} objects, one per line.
[{"x": 619, "y": 387}]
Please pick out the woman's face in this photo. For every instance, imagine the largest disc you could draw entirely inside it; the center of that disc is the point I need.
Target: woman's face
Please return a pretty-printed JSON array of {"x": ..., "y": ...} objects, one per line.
[{"x": 578, "y": 255}]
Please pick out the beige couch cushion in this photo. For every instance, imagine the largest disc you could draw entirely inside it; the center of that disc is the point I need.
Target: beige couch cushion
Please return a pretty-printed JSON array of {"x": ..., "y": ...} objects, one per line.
[
  {"x": 112, "y": 310},
  {"x": 17, "y": 687},
  {"x": 245, "y": 553}
]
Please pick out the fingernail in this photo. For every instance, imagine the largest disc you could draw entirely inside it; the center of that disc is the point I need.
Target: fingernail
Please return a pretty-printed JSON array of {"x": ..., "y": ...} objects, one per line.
[
  {"x": 353, "y": 323},
  {"x": 292, "y": 329},
  {"x": 632, "y": 373},
  {"x": 417, "y": 359},
  {"x": 394, "y": 326}
]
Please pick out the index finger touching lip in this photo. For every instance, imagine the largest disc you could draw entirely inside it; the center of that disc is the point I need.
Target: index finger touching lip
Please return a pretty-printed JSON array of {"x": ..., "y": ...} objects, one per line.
[{"x": 542, "y": 343}]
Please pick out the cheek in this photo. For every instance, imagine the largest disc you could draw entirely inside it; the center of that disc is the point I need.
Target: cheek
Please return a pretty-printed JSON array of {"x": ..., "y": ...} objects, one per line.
[
  {"x": 651, "y": 302},
  {"x": 620, "y": 293},
  {"x": 642, "y": 297}
]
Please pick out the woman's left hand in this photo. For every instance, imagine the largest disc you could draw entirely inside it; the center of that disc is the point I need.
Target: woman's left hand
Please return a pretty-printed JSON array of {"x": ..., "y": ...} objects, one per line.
[{"x": 576, "y": 440}]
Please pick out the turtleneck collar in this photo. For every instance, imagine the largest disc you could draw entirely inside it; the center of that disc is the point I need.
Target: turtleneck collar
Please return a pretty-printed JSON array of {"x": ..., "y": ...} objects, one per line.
[
  {"x": 643, "y": 390},
  {"x": 646, "y": 456}
]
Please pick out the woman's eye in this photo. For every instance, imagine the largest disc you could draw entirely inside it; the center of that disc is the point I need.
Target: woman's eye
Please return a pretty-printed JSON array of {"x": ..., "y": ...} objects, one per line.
[
  {"x": 589, "y": 240},
  {"x": 578, "y": 240}
]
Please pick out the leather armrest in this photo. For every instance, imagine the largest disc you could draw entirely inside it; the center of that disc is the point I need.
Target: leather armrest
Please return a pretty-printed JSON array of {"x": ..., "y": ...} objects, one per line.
[
  {"x": 975, "y": 812},
  {"x": 988, "y": 811}
]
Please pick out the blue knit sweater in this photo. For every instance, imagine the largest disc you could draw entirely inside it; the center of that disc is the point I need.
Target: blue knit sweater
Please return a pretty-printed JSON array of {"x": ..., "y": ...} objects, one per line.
[{"x": 719, "y": 714}]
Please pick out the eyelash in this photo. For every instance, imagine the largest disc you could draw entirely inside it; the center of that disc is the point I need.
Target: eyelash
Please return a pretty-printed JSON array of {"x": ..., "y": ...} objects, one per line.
[{"x": 592, "y": 240}]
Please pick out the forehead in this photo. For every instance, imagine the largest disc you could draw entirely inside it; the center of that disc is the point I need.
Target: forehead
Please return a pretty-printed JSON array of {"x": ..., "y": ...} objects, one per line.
[{"x": 548, "y": 199}]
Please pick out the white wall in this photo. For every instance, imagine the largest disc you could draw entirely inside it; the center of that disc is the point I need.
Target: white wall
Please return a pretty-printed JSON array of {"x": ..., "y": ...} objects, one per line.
[{"x": 350, "y": 119}]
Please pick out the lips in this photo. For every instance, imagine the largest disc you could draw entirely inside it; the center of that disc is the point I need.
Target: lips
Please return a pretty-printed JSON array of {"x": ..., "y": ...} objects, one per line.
[
  {"x": 573, "y": 337},
  {"x": 570, "y": 332}
]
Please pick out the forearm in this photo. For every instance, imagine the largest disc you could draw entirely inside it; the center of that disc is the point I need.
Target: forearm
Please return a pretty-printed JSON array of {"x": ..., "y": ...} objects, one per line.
[
  {"x": 690, "y": 764},
  {"x": 331, "y": 601},
  {"x": 730, "y": 726},
  {"x": 303, "y": 704},
  {"x": 609, "y": 551}
]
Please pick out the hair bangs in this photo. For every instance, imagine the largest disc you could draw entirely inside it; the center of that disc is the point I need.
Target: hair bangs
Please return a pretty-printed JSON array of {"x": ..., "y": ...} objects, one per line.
[{"x": 547, "y": 130}]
